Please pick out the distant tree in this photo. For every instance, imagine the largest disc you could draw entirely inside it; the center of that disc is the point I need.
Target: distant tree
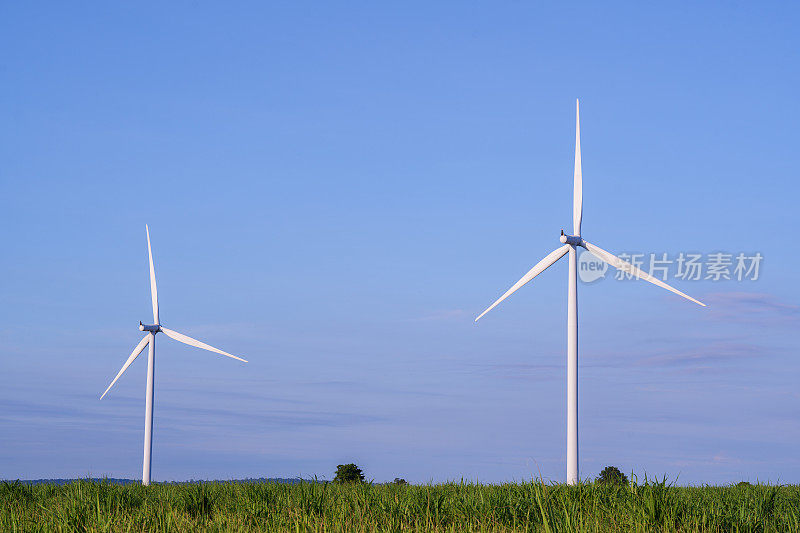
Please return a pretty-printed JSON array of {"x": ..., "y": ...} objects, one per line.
[
  {"x": 348, "y": 473},
  {"x": 399, "y": 481},
  {"x": 611, "y": 475},
  {"x": 743, "y": 484}
]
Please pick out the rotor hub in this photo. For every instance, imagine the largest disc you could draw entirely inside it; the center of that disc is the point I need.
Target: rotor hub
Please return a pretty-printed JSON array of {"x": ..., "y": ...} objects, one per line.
[
  {"x": 152, "y": 328},
  {"x": 574, "y": 240}
]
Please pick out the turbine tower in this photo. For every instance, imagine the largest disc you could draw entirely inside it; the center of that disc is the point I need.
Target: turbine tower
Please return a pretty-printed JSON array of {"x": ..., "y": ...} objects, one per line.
[
  {"x": 570, "y": 245},
  {"x": 150, "y": 340}
]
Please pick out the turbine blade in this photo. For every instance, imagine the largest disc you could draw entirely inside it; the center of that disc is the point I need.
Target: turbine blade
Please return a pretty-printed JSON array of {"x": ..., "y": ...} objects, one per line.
[
  {"x": 153, "y": 289},
  {"x": 577, "y": 192},
  {"x": 134, "y": 354},
  {"x": 180, "y": 337},
  {"x": 620, "y": 264},
  {"x": 540, "y": 267}
]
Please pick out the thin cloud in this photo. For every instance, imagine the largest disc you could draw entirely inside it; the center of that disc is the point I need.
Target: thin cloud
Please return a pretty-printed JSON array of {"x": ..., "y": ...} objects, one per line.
[
  {"x": 720, "y": 458},
  {"x": 436, "y": 316},
  {"x": 525, "y": 371},
  {"x": 368, "y": 387},
  {"x": 725, "y": 458},
  {"x": 704, "y": 356},
  {"x": 752, "y": 308},
  {"x": 191, "y": 416}
]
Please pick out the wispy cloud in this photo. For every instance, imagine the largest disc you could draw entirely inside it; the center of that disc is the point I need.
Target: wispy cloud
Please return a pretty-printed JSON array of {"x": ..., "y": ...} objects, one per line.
[
  {"x": 720, "y": 458},
  {"x": 436, "y": 316},
  {"x": 524, "y": 371},
  {"x": 703, "y": 356},
  {"x": 192, "y": 416},
  {"x": 752, "y": 308},
  {"x": 725, "y": 458},
  {"x": 346, "y": 386}
]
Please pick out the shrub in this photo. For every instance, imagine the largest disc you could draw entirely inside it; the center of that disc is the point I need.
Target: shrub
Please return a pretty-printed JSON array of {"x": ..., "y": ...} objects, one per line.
[
  {"x": 611, "y": 475},
  {"x": 348, "y": 473}
]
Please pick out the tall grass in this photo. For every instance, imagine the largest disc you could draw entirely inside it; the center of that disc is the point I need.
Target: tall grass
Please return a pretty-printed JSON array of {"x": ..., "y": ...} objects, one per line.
[{"x": 640, "y": 506}]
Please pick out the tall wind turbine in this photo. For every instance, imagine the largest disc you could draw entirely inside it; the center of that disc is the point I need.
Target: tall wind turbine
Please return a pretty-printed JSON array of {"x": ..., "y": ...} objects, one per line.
[
  {"x": 570, "y": 244},
  {"x": 150, "y": 339}
]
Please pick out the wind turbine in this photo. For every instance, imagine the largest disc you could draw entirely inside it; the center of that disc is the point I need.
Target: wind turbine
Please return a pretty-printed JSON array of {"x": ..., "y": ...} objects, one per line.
[
  {"x": 570, "y": 245},
  {"x": 150, "y": 339}
]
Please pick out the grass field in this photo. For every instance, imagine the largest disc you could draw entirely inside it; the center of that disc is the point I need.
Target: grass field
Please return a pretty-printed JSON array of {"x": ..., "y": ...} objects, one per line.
[{"x": 640, "y": 506}]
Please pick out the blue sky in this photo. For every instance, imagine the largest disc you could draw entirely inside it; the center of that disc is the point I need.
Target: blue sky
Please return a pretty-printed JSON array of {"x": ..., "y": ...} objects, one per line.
[{"x": 335, "y": 191}]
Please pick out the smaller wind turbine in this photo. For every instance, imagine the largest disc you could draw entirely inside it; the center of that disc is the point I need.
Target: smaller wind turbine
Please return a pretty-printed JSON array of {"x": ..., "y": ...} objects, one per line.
[{"x": 150, "y": 339}]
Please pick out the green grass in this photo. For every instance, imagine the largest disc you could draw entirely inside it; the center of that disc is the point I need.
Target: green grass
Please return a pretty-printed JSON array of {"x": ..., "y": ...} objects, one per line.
[{"x": 641, "y": 506}]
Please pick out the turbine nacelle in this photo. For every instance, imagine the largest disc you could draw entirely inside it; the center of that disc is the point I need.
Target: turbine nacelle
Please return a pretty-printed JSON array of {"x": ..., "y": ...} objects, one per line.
[
  {"x": 154, "y": 328},
  {"x": 574, "y": 240}
]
